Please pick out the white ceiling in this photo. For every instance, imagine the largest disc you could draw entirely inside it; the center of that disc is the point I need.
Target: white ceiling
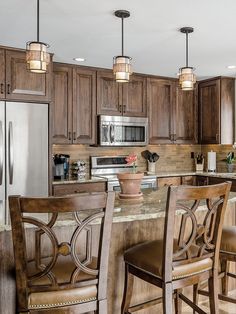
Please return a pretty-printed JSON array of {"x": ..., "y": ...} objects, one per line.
[{"x": 88, "y": 28}]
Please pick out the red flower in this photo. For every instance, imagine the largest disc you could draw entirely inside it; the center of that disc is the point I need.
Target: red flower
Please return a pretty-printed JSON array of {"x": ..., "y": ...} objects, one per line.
[{"x": 131, "y": 159}]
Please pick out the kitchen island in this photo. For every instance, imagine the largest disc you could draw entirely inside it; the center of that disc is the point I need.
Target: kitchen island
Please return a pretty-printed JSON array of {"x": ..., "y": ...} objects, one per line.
[{"x": 133, "y": 222}]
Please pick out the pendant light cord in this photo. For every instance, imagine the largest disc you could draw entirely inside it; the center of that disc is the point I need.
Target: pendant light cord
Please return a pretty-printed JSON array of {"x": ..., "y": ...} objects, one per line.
[
  {"x": 37, "y": 20},
  {"x": 122, "y": 37},
  {"x": 186, "y": 49}
]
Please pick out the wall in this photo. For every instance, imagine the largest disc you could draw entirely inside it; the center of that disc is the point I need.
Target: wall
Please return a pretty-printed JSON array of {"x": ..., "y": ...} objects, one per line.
[{"x": 172, "y": 157}]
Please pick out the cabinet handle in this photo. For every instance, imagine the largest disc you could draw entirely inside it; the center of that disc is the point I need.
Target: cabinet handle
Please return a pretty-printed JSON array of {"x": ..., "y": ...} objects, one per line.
[
  {"x": 79, "y": 192},
  {"x": 120, "y": 108},
  {"x": 74, "y": 136},
  {"x": 2, "y": 88},
  {"x": 69, "y": 136},
  {"x": 124, "y": 108},
  {"x": 174, "y": 137},
  {"x": 8, "y": 89},
  {"x": 217, "y": 136}
]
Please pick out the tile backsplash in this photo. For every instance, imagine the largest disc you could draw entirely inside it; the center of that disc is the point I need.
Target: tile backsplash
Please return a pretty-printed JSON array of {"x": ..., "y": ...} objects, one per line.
[{"x": 172, "y": 157}]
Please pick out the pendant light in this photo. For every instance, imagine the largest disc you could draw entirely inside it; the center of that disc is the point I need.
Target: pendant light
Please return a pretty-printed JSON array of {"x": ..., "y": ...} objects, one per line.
[
  {"x": 122, "y": 64},
  {"x": 37, "y": 57},
  {"x": 187, "y": 78}
]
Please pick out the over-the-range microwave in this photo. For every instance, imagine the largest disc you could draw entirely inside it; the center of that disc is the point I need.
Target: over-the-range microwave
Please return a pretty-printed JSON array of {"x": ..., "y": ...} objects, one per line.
[{"x": 122, "y": 131}]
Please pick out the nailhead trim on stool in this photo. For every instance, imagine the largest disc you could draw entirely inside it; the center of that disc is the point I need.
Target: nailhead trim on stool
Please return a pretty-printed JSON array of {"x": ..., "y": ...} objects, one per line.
[{"x": 43, "y": 306}]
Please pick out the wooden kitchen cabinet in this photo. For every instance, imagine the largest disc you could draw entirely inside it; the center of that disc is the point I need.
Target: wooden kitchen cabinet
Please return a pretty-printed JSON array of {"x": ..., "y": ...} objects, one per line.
[
  {"x": 172, "y": 113},
  {"x": 160, "y": 97},
  {"x": 185, "y": 117},
  {"x": 20, "y": 84},
  {"x": 168, "y": 181},
  {"x": 61, "y": 117},
  {"x": 188, "y": 180},
  {"x": 74, "y": 188},
  {"x": 127, "y": 99},
  {"x": 74, "y": 105},
  {"x": 202, "y": 180},
  {"x": 216, "y": 110}
]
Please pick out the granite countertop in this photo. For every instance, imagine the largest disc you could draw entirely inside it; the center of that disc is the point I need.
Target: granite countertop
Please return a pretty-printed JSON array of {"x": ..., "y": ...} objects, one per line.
[
  {"x": 89, "y": 178},
  {"x": 86, "y": 179},
  {"x": 151, "y": 207}
]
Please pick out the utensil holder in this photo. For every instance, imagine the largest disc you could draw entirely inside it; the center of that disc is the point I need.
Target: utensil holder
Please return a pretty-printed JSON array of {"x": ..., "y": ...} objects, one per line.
[
  {"x": 151, "y": 167},
  {"x": 199, "y": 167}
]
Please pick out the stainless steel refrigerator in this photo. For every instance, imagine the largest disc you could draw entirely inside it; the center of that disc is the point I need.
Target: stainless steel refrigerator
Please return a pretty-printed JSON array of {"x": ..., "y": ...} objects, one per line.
[{"x": 23, "y": 152}]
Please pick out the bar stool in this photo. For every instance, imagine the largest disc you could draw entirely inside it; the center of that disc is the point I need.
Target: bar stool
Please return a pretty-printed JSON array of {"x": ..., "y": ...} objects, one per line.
[
  {"x": 195, "y": 254},
  {"x": 56, "y": 272},
  {"x": 227, "y": 255}
]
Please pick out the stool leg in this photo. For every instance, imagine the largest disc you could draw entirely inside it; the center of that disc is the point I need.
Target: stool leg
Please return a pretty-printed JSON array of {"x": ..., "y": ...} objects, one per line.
[
  {"x": 102, "y": 307},
  {"x": 224, "y": 282},
  {"x": 128, "y": 289},
  {"x": 213, "y": 292},
  {"x": 178, "y": 302},
  {"x": 195, "y": 295},
  {"x": 167, "y": 298}
]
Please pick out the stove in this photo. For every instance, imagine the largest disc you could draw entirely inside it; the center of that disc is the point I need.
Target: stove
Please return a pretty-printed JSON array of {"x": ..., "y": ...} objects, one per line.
[{"x": 108, "y": 166}]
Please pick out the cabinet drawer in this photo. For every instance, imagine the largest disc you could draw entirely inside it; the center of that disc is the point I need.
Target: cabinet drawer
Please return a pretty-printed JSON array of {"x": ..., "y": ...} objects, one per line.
[
  {"x": 168, "y": 181},
  {"x": 65, "y": 189},
  {"x": 189, "y": 180}
]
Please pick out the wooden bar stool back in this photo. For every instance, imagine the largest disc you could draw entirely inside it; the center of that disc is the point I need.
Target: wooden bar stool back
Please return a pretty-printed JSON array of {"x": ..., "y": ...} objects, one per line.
[
  {"x": 185, "y": 259},
  {"x": 227, "y": 255},
  {"x": 56, "y": 272}
]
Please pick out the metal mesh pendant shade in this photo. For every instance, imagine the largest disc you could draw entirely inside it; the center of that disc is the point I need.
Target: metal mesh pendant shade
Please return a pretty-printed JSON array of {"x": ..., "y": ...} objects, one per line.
[
  {"x": 122, "y": 68},
  {"x": 187, "y": 78},
  {"x": 37, "y": 57}
]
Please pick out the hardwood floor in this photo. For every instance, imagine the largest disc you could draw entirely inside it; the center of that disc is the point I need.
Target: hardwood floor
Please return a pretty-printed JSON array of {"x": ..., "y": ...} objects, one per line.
[{"x": 225, "y": 307}]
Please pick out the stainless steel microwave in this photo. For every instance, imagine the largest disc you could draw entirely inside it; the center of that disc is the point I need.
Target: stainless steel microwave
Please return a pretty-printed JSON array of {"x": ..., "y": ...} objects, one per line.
[{"x": 123, "y": 131}]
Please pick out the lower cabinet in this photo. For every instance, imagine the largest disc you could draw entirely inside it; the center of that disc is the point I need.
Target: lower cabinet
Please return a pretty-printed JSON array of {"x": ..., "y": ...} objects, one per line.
[
  {"x": 74, "y": 188},
  {"x": 201, "y": 180},
  {"x": 189, "y": 180},
  {"x": 168, "y": 181}
]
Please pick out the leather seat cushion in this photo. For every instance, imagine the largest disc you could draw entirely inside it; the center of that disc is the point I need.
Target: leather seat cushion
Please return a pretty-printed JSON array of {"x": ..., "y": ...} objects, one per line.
[
  {"x": 60, "y": 298},
  {"x": 148, "y": 257},
  {"x": 228, "y": 240}
]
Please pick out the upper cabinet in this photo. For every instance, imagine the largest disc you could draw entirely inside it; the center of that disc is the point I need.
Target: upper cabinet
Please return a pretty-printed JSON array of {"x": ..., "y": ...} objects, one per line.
[
  {"x": 185, "y": 128},
  {"x": 17, "y": 83},
  {"x": 216, "y": 111},
  {"x": 172, "y": 112},
  {"x": 128, "y": 99},
  {"x": 74, "y": 105},
  {"x": 160, "y": 97}
]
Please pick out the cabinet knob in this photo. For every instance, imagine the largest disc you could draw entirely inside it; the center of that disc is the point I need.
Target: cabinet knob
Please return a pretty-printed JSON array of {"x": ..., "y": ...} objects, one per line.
[
  {"x": 124, "y": 108},
  {"x": 217, "y": 137},
  {"x": 8, "y": 89},
  {"x": 69, "y": 136},
  {"x": 74, "y": 136},
  {"x": 120, "y": 108}
]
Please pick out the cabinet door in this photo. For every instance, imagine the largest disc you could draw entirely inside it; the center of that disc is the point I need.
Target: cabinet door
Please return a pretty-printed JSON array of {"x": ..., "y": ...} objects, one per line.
[
  {"x": 134, "y": 97},
  {"x": 109, "y": 94},
  {"x": 160, "y": 95},
  {"x": 61, "y": 107},
  {"x": 202, "y": 180},
  {"x": 2, "y": 73},
  {"x": 185, "y": 122},
  {"x": 21, "y": 84},
  {"x": 209, "y": 112},
  {"x": 84, "y": 106}
]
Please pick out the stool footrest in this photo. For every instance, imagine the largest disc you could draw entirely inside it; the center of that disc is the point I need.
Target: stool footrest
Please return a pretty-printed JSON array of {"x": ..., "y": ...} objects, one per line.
[{"x": 144, "y": 305}]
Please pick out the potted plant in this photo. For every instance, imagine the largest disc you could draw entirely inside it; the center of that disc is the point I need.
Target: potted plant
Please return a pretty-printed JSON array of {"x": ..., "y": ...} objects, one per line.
[
  {"x": 130, "y": 182},
  {"x": 230, "y": 159}
]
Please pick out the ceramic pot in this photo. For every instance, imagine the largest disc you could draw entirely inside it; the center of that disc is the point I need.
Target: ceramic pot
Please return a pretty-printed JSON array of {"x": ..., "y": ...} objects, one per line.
[
  {"x": 151, "y": 167},
  {"x": 130, "y": 183},
  {"x": 230, "y": 167}
]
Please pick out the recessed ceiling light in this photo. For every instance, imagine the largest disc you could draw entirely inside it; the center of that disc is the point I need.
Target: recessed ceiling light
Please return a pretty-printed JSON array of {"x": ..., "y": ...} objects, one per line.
[
  {"x": 231, "y": 66},
  {"x": 79, "y": 59}
]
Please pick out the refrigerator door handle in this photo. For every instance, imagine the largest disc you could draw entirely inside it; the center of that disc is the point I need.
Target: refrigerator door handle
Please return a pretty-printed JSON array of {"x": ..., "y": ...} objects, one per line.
[
  {"x": 1, "y": 152},
  {"x": 10, "y": 152}
]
